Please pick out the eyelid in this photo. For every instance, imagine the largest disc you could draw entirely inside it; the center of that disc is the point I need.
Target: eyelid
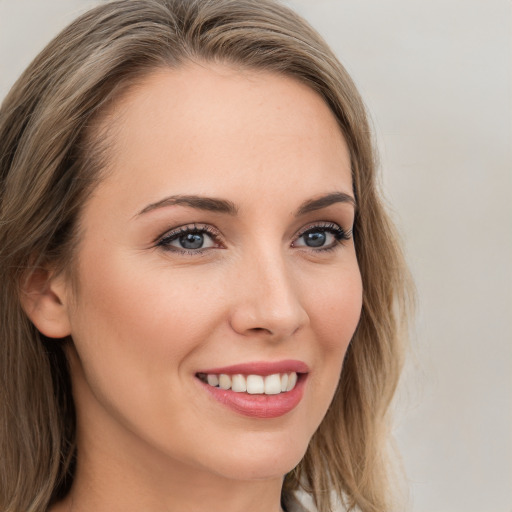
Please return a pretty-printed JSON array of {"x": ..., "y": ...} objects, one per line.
[
  {"x": 173, "y": 233},
  {"x": 341, "y": 234},
  {"x": 327, "y": 225},
  {"x": 164, "y": 240}
]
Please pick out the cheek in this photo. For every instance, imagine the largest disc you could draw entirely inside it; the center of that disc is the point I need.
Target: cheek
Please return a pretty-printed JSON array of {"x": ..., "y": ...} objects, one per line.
[
  {"x": 136, "y": 329},
  {"x": 335, "y": 309},
  {"x": 130, "y": 320}
]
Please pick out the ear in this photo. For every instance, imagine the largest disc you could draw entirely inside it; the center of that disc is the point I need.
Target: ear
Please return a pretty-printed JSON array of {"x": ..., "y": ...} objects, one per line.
[{"x": 44, "y": 300}]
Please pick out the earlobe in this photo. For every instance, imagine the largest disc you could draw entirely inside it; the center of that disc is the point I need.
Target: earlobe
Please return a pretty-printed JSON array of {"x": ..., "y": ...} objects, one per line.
[{"x": 43, "y": 298}]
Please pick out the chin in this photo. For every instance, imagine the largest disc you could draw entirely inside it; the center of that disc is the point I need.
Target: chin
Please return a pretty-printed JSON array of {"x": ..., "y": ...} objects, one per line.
[{"x": 262, "y": 462}]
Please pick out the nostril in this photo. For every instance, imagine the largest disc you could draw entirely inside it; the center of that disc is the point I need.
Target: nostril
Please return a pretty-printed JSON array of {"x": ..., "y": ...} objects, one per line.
[{"x": 277, "y": 317}]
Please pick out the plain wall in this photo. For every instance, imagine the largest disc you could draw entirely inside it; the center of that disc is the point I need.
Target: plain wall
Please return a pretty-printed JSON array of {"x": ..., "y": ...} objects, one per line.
[{"x": 436, "y": 77}]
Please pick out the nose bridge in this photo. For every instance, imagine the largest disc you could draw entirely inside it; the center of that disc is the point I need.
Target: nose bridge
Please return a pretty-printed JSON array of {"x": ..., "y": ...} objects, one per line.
[{"x": 268, "y": 299}]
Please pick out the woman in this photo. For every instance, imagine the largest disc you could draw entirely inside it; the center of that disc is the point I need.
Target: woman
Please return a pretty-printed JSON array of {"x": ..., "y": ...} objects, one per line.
[{"x": 201, "y": 291}]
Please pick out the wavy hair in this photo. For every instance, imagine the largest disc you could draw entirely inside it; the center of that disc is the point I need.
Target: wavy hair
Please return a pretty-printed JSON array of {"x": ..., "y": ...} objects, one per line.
[{"x": 51, "y": 156}]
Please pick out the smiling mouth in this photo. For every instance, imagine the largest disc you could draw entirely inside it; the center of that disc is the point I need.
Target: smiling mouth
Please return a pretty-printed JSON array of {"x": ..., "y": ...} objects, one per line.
[{"x": 274, "y": 384}]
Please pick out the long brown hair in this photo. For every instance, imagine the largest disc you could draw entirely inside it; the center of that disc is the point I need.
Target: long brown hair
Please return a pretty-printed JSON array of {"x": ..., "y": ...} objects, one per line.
[{"x": 51, "y": 156}]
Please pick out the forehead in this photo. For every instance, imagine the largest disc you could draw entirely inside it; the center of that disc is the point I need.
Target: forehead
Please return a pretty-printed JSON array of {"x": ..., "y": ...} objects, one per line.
[{"x": 201, "y": 128}]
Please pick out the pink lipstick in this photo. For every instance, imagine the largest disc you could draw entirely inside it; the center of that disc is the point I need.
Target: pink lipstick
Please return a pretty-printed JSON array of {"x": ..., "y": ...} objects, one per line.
[{"x": 258, "y": 389}]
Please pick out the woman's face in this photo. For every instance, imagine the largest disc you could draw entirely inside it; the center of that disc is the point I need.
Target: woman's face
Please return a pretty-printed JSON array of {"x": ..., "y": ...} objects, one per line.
[{"x": 218, "y": 244}]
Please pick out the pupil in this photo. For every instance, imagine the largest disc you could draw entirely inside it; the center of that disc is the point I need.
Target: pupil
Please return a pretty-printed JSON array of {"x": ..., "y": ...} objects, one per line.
[
  {"x": 315, "y": 239},
  {"x": 192, "y": 241}
]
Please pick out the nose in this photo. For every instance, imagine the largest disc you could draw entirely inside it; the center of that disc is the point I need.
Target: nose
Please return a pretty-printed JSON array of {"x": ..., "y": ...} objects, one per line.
[{"x": 266, "y": 299}]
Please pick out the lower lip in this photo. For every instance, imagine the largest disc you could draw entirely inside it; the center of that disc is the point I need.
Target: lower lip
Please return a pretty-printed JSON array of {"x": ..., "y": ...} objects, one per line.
[{"x": 259, "y": 406}]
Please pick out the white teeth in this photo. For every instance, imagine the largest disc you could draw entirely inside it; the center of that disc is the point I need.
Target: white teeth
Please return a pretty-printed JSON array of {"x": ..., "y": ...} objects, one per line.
[
  {"x": 273, "y": 384},
  {"x": 292, "y": 380},
  {"x": 224, "y": 381},
  {"x": 213, "y": 380},
  {"x": 238, "y": 383},
  {"x": 253, "y": 384},
  {"x": 284, "y": 382}
]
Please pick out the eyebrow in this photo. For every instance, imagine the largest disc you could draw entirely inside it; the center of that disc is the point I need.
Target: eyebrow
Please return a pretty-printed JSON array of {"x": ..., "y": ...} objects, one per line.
[
  {"x": 213, "y": 204},
  {"x": 210, "y": 204},
  {"x": 325, "y": 201}
]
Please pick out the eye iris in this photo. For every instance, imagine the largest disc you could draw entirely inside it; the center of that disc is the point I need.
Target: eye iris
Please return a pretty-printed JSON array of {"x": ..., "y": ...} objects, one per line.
[
  {"x": 315, "y": 238},
  {"x": 192, "y": 241}
]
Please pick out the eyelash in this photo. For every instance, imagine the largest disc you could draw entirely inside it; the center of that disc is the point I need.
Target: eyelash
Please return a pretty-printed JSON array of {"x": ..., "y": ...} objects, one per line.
[
  {"x": 164, "y": 241},
  {"x": 175, "y": 234},
  {"x": 339, "y": 233}
]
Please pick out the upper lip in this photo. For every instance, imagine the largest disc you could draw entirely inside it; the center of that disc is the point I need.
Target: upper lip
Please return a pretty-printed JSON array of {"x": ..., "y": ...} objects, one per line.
[{"x": 260, "y": 368}]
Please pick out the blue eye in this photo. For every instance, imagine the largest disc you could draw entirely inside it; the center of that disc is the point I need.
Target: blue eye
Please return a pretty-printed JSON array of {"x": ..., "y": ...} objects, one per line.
[
  {"x": 316, "y": 238},
  {"x": 323, "y": 237},
  {"x": 189, "y": 239}
]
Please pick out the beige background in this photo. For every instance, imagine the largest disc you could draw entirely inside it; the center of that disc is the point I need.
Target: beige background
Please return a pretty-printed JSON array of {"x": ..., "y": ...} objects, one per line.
[{"x": 436, "y": 75}]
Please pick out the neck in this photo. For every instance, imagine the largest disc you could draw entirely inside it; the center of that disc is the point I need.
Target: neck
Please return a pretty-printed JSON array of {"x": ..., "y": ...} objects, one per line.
[
  {"x": 250, "y": 498},
  {"x": 111, "y": 482}
]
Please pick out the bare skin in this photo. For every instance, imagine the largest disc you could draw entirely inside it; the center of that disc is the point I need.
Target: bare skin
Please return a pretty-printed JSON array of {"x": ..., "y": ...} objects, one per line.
[{"x": 272, "y": 279}]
